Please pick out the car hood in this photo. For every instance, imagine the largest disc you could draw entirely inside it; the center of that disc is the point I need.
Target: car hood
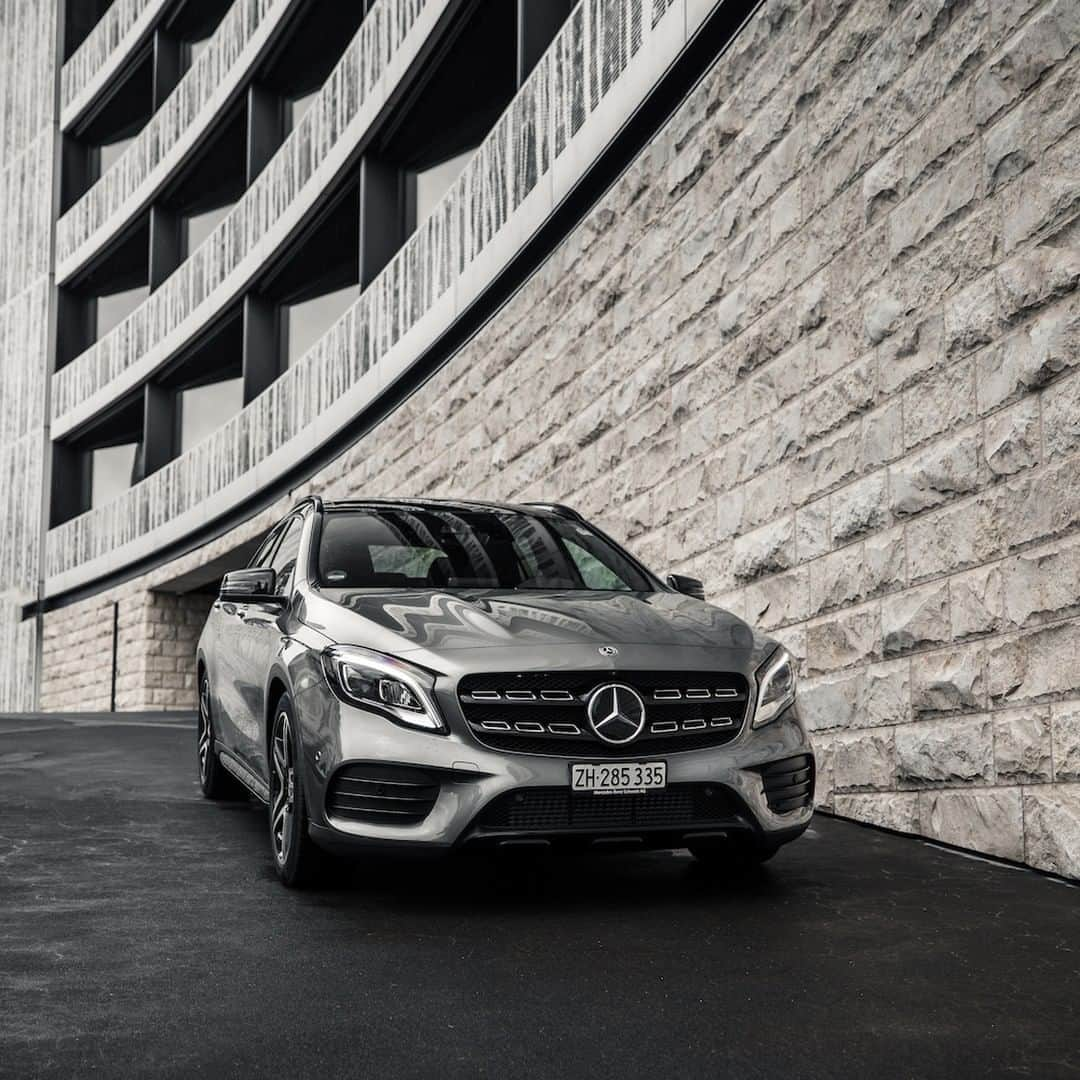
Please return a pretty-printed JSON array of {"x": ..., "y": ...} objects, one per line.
[{"x": 437, "y": 621}]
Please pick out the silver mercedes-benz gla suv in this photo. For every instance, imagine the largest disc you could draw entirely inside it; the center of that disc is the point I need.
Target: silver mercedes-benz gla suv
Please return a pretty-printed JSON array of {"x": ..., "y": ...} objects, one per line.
[{"x": 441, "y": 675}]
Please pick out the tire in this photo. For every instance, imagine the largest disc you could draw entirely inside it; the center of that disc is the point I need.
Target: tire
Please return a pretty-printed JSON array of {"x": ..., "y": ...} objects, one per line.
[
  {"x": 297, "y": 858},
  {"x": 214, "y": 781},
  {"x": 732, "y": 856}
]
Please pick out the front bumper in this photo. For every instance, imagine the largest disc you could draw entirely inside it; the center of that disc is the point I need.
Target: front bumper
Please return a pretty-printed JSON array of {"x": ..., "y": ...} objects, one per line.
[{"x": 472, "y": 776}]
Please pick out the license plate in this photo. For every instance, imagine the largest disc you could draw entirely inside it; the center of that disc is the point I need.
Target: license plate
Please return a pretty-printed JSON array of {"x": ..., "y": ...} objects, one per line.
[{"x": 618, "y": 778}]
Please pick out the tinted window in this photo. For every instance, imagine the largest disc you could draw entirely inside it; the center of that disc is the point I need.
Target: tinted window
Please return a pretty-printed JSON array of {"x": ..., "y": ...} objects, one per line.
[
  {"x": 261, "y": 557},
  {"x": 425, "y": 548},
  {"x": 284, "y": 561}
]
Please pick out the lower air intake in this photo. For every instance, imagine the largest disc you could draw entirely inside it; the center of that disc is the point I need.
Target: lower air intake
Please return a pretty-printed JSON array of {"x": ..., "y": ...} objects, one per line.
[
  {"x": 540, "y": 809},
  {"x": 788, "y": 784},
  {"x": 381, "y": 794}
]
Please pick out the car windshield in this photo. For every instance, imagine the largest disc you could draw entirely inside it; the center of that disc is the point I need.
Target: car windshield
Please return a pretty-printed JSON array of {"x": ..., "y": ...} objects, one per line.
[{"x": 442, "y": 548}]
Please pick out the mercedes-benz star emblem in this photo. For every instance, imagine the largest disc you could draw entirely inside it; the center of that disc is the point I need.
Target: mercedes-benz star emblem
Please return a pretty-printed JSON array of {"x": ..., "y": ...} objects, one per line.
[
  {"x": 608, "y": 650},
  {"x": 616, "y": 713}
]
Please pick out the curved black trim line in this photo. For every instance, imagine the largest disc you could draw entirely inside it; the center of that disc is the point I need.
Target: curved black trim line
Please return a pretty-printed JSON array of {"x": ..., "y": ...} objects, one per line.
[{"x": 717, "y": 33}]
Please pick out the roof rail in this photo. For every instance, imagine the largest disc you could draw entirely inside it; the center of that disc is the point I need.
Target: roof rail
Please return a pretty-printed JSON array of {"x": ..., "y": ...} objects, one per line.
[{"x": 557, "y": 508}]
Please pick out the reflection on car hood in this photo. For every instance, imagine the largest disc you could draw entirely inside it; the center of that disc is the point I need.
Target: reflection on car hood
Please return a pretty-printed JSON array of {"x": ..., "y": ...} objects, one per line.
[{"x": 438, "y": 621}]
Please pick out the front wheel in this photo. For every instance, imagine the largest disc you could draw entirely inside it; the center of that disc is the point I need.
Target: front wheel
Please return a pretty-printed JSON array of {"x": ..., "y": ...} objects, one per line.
[{"x": 296, "y": 857}]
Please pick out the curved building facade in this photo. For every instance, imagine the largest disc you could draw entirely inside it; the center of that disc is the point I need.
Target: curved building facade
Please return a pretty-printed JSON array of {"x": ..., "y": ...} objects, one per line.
[{"x": 783, "y": 294}]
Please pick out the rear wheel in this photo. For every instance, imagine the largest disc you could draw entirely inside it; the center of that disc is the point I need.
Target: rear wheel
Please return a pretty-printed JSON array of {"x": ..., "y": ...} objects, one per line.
[
  {"x": 296, "y": 856},
  {"x": 214, "y": 781}
]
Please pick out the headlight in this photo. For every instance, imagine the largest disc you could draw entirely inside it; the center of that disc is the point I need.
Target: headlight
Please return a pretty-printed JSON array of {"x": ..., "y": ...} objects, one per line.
[
  {"x": 776, "y": 687},
  {"x": 397, "y": 690}
]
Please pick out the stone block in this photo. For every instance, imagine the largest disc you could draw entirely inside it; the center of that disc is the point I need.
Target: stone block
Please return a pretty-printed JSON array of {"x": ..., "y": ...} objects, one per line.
[
  {"x": 949, "y": 681},
  {"x": 1041, "y": 585},
  {"x": 883, "y": 434},
  {"x": 976, "y": 602},
  {"x": 864, "y": 761},
  {"x": 956, "y": 538},
  {"x": 915, "y": 619},
  {"x": 827, "y": 464},
  {"x": 874, "y": 696},
  {"x": 1024, "y": 59},
  {"x": 936, "y": 475},
  {"x": 971, "y": 317},
  {"x": 836, "y": 580},
  {"x": 860, "y": 508},
  {"x": 941, "y": 402},
  {"x": 1052, "y": 827},
  {"x": 1034, "y": 278},
  {"x": 812, "y": 530},
  {"x": 936, "y": 203},
  {"x": 913, "y": 351},
  {"x": 1036, "y": 665},
  {"x": 841, "y": 397},
  {"x": 1012, "y": 438},
  {"x": 767, "y": 550},
  {"x": 1022, "y": 746},
  {"x": 778, "y": 600},
  {"x": 1028, "y": 359},
  {"x": 1065, "y": 724},
  {"x": 884, "y": 562},
  {"x": 843, "y": 639},
  {"x": 987, "y": 821},
  {"x": 1061, "y": 418},
  {"x": 896, "y": 810},
  {"x": 945, "y": 752}
]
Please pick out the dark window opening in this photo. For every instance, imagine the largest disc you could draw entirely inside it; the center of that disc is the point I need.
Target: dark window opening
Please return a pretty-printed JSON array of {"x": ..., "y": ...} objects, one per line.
[
  {"x": 318, "y": 280},
  {"x": 91, "y": 305},
  {"x": 102, "y": 135}
]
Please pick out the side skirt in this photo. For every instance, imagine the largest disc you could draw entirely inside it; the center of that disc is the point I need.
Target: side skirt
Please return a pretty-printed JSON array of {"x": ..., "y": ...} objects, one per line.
[{"x": 243, "y": 773}]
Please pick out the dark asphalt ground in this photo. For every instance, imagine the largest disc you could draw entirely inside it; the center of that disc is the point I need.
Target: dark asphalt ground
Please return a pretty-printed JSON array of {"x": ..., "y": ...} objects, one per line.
[{"x": 143, "y": 933}]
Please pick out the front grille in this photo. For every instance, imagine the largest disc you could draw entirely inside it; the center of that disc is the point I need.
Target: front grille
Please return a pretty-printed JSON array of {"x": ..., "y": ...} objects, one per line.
[
  {"x": 789, "y": 784},
  {"x": 541, "y": 809},
  {"x": 381, "y": 794},
  {"x": 546, "y": 712}
]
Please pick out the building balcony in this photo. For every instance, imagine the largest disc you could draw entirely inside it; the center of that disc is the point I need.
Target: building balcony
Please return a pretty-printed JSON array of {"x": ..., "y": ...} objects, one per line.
[
  {"x": 122, "y": 30},
  {"x": 203, "y": 96},
  {"x": 325, "y": 141},
  {"x": 599, "y": 70}
]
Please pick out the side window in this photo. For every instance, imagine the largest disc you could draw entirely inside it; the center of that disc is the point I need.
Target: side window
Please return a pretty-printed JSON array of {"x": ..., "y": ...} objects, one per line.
[
  {"x": 261, "y": 558},
  {"x": 284, "y": 561}
]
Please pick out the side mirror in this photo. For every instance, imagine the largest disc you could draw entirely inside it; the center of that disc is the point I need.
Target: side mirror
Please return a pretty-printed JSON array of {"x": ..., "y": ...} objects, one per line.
[
  {"x": 241, "y": 585},
  {"x": 689, "y": 586}
]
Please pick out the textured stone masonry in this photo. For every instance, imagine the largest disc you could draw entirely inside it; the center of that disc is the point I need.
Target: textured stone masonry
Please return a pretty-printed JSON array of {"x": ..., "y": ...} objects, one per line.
[{"x": 820, "y": 346}]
